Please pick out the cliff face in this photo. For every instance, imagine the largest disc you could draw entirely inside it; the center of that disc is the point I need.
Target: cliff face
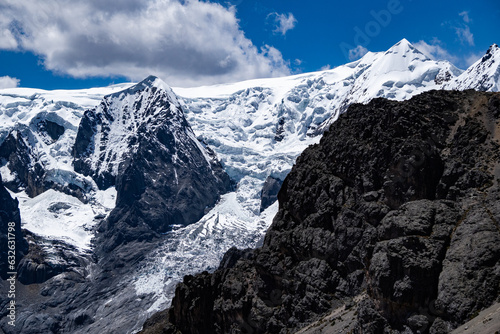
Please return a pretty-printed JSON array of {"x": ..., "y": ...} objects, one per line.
[
  {"x": 12, "y": 235},
  {"x": 395, "y": 214}
]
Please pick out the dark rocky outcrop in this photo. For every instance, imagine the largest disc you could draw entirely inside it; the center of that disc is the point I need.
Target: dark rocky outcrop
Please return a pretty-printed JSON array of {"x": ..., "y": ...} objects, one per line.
[
  {"x": 19, "y": 151},
  {"x": 269, "y": 193},
  {"x": 38, "y": 266},
  {"x": 53, "y": 130},
  {"x": 11, "y": 233},
  {"x": 398, "y": 203}
]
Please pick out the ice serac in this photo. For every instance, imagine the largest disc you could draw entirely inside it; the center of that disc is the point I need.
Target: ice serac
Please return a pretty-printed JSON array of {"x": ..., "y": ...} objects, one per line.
[
  {"x": 139, "y": 141},
  {"x": 483, "y": 75},
  {"x": 28, "y": 165}
]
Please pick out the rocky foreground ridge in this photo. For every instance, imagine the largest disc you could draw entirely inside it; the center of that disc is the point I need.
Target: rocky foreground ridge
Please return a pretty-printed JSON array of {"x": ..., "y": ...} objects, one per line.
[{"x": 391, "y": 222}]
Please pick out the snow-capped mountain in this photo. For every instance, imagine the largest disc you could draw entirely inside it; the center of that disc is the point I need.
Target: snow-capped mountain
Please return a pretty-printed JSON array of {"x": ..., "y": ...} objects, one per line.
[
  {"x": 47, "y": 122},
  {"x": 140, "y": 143},
  {"x": 259, "y": 127},
  {"x": 109, "y": 132},
  {"x": 139, "y": 140},
  {"x": 483, "y": 75}
]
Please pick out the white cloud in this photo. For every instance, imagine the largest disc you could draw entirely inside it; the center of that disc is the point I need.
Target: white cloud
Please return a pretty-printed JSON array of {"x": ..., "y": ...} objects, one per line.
[
  {"x": 358, "y": 52},
  {"x": 298, "y": 62},
  {"x": 465, "y": 16},
  {"x": 435, "y": 51},
  {"x": 185, "y": 42},
  {"x": 8, "y": 82},
  {"x": 326, "y": 67},
  {"x": 463, "y": 30},
  {"x": 7, "y": 39},
  {"x": 284, "y": 22},
  {"x": 465, "y": 35}
]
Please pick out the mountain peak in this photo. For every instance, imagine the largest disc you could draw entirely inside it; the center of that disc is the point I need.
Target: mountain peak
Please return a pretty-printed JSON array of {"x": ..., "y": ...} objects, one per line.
[
  {"x": 403, "y": 44},
  {"x": 153, "y": 81},
  {"x": 483, "y": 75},
  {"x": 404, "y": 41},
  {"x": 404, "y": 47},
  {"x": 150, "y": 83},
  {"x": 493, "y": 50}
]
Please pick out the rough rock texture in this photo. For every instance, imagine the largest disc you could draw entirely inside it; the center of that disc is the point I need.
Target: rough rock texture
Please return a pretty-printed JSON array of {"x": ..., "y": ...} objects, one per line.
[
  {"x": 38, "y": 266},
  {"x": 400, "y": 200},
  {"x": 17, "y": 151}
]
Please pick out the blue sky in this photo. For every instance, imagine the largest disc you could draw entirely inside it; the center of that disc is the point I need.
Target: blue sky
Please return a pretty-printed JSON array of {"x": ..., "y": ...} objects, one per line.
[{"x": 79, "y": 44}]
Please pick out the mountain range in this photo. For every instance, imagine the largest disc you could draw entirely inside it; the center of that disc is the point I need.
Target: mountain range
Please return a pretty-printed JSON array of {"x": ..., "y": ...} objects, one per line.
[{"x": 124, "y": 190}]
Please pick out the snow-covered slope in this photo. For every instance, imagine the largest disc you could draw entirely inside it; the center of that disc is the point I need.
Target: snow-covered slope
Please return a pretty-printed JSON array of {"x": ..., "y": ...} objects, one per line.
[
  {"x": 55, "y": 215},
  {"x": 256, "y": 128},
  {"x": 109, "y": 133},
  {"x": 483, "y": 75},
  {"x": 65, "y": 107}
]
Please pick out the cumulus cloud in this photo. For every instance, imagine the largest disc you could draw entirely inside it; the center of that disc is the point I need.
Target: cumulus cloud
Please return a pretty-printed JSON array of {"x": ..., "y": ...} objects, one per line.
[
  {"x": 7, "y": 39},
  {"x": 8, "y": 82},
  {"x": 185, "y": 42},
  {"x": 358, "y": 52},
  {"x": 434, "y": 50},
  {"x": 284, "y": 22}
]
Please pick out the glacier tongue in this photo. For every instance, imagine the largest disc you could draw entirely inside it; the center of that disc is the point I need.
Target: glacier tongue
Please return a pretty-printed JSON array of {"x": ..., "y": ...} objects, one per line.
[{"x": 199, "y": 247}]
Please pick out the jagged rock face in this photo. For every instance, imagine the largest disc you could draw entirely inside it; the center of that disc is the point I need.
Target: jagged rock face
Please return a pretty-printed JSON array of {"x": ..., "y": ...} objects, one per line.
[
  {"x": 52, "y": 129},
  {"x": 399, "y": 199},
  {"x": 10, "y": 224},
  {"x": 139, "y": 141}
]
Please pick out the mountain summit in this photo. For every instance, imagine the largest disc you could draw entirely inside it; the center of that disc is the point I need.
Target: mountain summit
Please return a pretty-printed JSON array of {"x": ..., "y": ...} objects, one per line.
[{"x": 108, "y": 134}]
